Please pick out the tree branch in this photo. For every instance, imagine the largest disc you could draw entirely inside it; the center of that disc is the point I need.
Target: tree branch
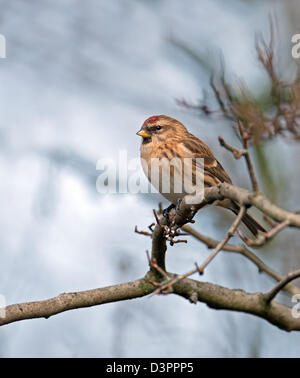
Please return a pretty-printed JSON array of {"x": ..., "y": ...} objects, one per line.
[
  {"x": 71, "y": 301},
  {"x": 289, "y": 277},
  {"x": 229, "y": 235},
  {"x": 214, "y": 296},
  {"x": 263, "y": 238},
  {"x": 246, "y": 198},
  {"x": 241, "y": 249}
]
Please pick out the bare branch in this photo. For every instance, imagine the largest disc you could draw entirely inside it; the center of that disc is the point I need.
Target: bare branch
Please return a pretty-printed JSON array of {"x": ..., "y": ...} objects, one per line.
[
  {"x": 241, "y": 249},
  {"x": 236, "y": 153},
  {"x": 229, "y": 235},
  {"x": 214, "y": 296},
  {"x": 263, "y": 238},
  {"x": 70, "y": 301},
  {"x": 244, "y": 197},
  {"x": 218, "y": 248},
  {"x": 245, "y": 138},
  {"x": 166, "y": 287},
  {"x": 244, "y": 152},
  {"x": 235, "y": 102},
  {"x": 289, "y": 277},
  {"x": 142, "y": 232},
  {"x": 153, "y": 264}
]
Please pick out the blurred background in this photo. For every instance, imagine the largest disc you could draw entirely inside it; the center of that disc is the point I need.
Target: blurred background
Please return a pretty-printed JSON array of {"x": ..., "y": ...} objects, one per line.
[{"x": 79, "y": 79}]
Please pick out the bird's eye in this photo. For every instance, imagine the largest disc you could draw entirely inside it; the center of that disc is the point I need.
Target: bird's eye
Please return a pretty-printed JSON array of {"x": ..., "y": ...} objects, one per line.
[{"x": 158, "y": 127}]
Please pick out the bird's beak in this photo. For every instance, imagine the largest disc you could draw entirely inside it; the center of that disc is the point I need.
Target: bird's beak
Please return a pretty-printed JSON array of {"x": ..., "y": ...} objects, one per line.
[{"x": 143, "y": 134}]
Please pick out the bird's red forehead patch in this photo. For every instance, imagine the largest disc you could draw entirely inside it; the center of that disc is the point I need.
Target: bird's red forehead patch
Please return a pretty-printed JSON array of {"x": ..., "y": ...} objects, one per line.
[{"x": 152, "y": 119}]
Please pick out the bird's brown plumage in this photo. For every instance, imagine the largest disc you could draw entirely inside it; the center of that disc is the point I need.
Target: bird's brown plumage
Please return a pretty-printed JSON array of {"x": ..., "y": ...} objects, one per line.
[{"x": 165, "y": 137}]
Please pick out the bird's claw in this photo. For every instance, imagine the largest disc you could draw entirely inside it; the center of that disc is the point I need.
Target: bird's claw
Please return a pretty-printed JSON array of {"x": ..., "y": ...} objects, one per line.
[
  {"x": 177, "y": 207},
  {"x": 166, "y": 213}
]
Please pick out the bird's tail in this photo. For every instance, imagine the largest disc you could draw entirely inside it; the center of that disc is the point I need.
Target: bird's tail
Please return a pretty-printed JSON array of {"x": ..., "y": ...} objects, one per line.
[{"x": 253, "y": 226}]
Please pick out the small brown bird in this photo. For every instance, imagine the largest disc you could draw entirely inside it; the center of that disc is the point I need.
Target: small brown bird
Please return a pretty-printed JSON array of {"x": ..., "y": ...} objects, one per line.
[{"x": 165, "y": 138}]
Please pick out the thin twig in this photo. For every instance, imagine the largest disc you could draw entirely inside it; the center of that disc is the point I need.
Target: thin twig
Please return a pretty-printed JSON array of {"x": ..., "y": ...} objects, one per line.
[
  {"x": 270, "y": 295},
  {"x": 142, "y": 232},
  {"x": 229, "y": 235},
  {"x": 171, "y": 282},
  {"x": 157, "y": 218},
  {"x": 247, "y": 198},
  {"x": 218, "y": 95},
  {"x": 151, "y": 227},
  {"x": 218, "y": 248},
  {"x": 154, "y": 265},
  {"x": 172, "y": 241},
  {"x": 263, "y": 238},
  {"x": 269, "y": 221},
  {"x": 245, "y": 139},
  {"x": 244, "y": 251},
  {"x": 243, "y": 152},
  {"x": 236, "y": 153}
]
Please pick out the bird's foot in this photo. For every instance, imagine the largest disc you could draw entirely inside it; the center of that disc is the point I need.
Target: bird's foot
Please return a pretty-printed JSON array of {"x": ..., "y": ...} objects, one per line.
[
  {"x": 177, "y": 207},
  {"x": 166, "y": 213},
  {"x": 171, "y": 229}
]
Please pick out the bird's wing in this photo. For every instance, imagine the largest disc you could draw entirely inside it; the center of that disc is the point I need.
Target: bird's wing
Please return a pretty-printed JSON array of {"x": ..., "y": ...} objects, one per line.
[{"x": 193, "y": 147}]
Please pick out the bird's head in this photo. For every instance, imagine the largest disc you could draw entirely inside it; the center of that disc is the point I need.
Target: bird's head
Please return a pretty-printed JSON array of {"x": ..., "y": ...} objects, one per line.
[{"x": 160, "y": 128}]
